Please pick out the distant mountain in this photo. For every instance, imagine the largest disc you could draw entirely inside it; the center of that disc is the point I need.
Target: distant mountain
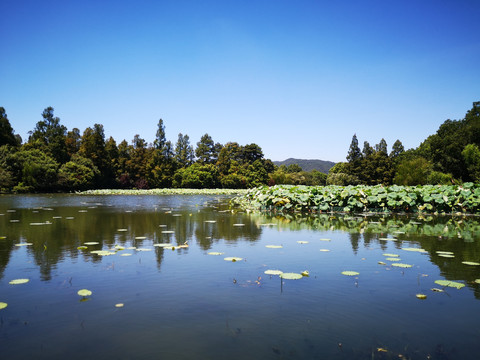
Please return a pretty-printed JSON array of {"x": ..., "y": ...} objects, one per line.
[{"x": 307, "y": 165}]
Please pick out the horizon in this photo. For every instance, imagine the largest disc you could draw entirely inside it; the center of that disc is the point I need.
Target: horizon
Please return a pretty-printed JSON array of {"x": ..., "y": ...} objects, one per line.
[{"x": 297, "y": 79}]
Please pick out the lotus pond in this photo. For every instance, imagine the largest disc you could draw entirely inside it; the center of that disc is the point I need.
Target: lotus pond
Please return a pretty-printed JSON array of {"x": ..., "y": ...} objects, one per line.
[{"x": 187, "y": 277}]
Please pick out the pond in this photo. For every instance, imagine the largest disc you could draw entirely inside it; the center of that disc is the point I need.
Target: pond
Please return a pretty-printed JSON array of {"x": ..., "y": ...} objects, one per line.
[{"x": 162, "y": 288}]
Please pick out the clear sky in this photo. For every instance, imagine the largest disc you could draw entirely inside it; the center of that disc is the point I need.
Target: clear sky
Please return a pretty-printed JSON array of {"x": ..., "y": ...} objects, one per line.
[{"x": 297, "y": 77}]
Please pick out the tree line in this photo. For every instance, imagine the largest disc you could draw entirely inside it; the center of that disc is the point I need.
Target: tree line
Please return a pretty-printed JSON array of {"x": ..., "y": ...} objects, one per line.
[
  {"x": 55, "y": 159},
  {"x": 450, "y": 156}
]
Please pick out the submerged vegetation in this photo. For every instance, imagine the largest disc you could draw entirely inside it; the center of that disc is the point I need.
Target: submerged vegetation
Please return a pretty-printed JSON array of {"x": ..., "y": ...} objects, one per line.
[{"x": 361, "y": 198}]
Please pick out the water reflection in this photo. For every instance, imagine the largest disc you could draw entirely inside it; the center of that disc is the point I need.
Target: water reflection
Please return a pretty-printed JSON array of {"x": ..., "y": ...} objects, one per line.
[{"x": 57, "y": 225}]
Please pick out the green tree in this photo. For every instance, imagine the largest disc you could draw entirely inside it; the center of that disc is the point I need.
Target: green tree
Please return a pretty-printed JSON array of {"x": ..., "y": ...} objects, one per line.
[
  {"x": 397, "y": 149},
  {"x": 197, "y": 176},
  {"x": 471, "y": 155},
  {"x": 293, "y": 168},
  {"x": 73, "y": 141},
  {"x": 382, "y": 147},
  {"x": 412, "y": 172},
  {"x": 354, "y": 153},
  {"x": 50, "y": 136},
  {"x": 184, "y": 154},
  {"x": 92, "y": 146},
  {"x": 7, "y": 136},
  {"x": 77, "y": 174},
  {"x": 207, "y": 151},
  {"x": 367, "y": 150}
]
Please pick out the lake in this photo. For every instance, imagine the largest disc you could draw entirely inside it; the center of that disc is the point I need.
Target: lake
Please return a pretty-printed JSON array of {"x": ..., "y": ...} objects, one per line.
[{"x": 180, "y": 302}]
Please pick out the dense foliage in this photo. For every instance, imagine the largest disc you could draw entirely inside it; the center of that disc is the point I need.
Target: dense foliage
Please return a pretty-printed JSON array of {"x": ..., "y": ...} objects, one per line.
[
  {"x": 362, "y": 198},
  {"x": 55, "y": 159},
  {"x": 450, "y": 156}
]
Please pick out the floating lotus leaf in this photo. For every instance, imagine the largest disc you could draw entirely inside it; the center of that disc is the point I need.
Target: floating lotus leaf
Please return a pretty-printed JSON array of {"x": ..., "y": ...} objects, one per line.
[
  {"x": 102, "y": 252},
  {"x": 56, "y": 217},
  {"x": 391, "y": 255},
  {"x": 233, "y": 259},
  {"x": 381, "y": 263},
  {"x": 274, "y": 246},
  {"x": 140, "y": 237},
  {"x": 19, "y": 281},
  {"x": 387, "y": 239},
  {"x": 291, "y": 276},
  {"x": 82, "y": 211},
  {"x": 131, "y": 248},
  {"x": 3, "y": 305},
  {"x": 162, "y": 225},
  {"x": 69, "y": 218},
  {"x": 324, "y": 250},
  {"x": 421, "y": 296},
  {"x": 144, "y": 249},
  {"x": 302, "y": 242},
  {"x": 3, "y": 237},
  {"x": 350, "y": 273},
  {"x": 122, "y": 230},
  {"x": 126, "y": 254},
  {"x": 82, "y": 247},
  {"x": 325, "y": 239},
  {"x": 215, "y": 253},
  {"x": 37, "y": 224},
  {"x": 414, "y": 249},
  {"x": 164, "y": 245},
  {"x": 393, "y": 259},
  {"x": 305, "y": 273},
  {"x": 273, "y": 272},
  {"x": 176, "y": 214},
  {"x": 24, "y": 244},
  {"x": 168, "y": 232},
  {"x": 84, "y": 292},
  {"x": 14, "y": 221},
  {"x": 210, "y": 221},
  {"x": 477, "y": 281},
  {"x": 449, "y": 283},
  {"x": 400, "y": 265},
  {"x": 119, "y": 247},
  {"x": 399, "y": 232},
  {"x": 269, "y": 224},
  {"x": 444, "y": 252},
  {"x": 436, "y": 290},
  {"x": 91, "y": 243},
  {"x": 238, "y": 224},
  {"x": 120, "y": 305},
  {"x": 446, "y": 255},
  {"x": 471, "y": 263}
]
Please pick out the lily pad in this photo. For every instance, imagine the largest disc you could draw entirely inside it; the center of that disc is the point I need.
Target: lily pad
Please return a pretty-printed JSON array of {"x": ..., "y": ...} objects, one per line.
[
  {"x": 472, "y": 263},
  {"x": 305, "y": 273},
  {"x": 82, "y": 247},
  {"x": 302, "y": 242},
  {"x": 164, "y": 245},
  {"x": 273, "y": 272},
  {"x": 102, "y": 252},
  {"x": 414, "y": 249},
  {"x": 233, "y": 259},
  {"x": 140, "y": 237},
  {"x": 381, "y": 263},
  {"x": 84, "y": 292},
  {"x": 291, "y": 276},
  {"x": 122, "y": 230},
  {"x": 449, "y": 283},
  {"x": 19, "y": 281},
  {"x": 387, "y": 239},
  {"x": 210, "y": 221},
  {"x": 421, "y": 296},
  {"x": 91, "y": 243},
  {"x": 391, "y": 255},
  {"x": 126, "y": 254},
  {"x": 393, "y": 259},
  {"x": 238, "y": 224},
  {"x": 444, "y": 252},
  {"x": 324, "y": 239},
  {"x": 350, "y": 273},
  {"x": 143, "y": 249},
  {"x": 446, "y": 255},
  {"x": 120, "y": 305},
  {"x": 215, "y": 253},
  {"x": 324, "y": 250},
  {"x": 274, "y": 246},
  {"x": 3, "y": 305},
  {"x": 24, "y": 244},
  {"x": 168, "y": 232},
  {"x": 400, "y": 265}
]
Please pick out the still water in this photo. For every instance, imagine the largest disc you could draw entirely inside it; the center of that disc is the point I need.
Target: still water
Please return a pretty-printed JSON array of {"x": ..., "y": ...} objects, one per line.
[{"x": 183, "y": 303}]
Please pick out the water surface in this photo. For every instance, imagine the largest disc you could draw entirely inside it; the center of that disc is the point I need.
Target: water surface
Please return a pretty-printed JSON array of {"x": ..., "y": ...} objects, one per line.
[{"x": 183, "y": 303}]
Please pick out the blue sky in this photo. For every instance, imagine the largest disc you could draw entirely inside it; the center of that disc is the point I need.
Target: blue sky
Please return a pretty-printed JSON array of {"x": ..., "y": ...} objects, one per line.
[{"x": 298, "y": 78}]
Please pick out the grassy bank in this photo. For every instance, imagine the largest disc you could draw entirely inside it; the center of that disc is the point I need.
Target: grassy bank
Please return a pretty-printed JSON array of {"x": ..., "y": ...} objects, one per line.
[
  {"x": 164, "y": 192},
  {"x": 361, "y": 198}
]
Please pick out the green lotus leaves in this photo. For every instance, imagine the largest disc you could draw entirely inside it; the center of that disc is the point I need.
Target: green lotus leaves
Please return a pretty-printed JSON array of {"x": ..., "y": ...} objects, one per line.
[
  {"x": 140, "y": 237},
  {"x": 444, "y": 252},
  {"x": 274, "y": 246},
  {"x": 302, "y": 242},
  {"x": 91, "y": 243},
  {"x": 273, "y": 272},
  {"x": 210, "y": 221},
  {"x": 24, "y": 244},
  {"x": 3, "y": 305},
  {"x": 119, "y": 305},
  {"x": 477, "y": 281},
  {"x": 143, "y": 249},
  {"x": 391, "y": 255},
  {"x": 291, "y": 276},
  {"x": 400, "y": 265},
  {"x": 387, "y": 239},
  {"x": 19, "y": 281},
  {"x": 126, "y": 254},
  {"x": 449, "y": 283},
  {"x": 324, "y": 239},
  {"x": 233, "y": 259},
  {"x": 122, "y": 230},
  {"x": 84, "y": 292},
  {"x": 168, "y": 232},
  {"x": 163, "y": 245},
  {"x": 393, "y": 259},
  {"x": 471, "y": 263},
  {"x": 324, "y": 250},
  {"x": 350, "y": 273},
  {"x": 82, "y": 248},
  {"x": 102, "y": 252},
  {"x": 421, "y": 296},
  {"x": 215, "y": 253},
  {"x": 381, "y": 263},
  {"x": 239, "y": 225},
  {"x": 446, "y": 255}
]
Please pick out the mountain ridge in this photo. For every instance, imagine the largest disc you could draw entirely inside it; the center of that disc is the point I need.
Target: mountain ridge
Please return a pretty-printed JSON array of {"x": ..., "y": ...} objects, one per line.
[{"x": 308, "y": 164}]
